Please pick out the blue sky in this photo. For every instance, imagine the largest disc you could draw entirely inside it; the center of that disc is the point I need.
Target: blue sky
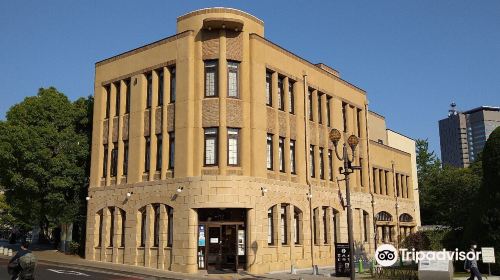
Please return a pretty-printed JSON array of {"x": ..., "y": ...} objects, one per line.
[{"x": 412, "y": 57}]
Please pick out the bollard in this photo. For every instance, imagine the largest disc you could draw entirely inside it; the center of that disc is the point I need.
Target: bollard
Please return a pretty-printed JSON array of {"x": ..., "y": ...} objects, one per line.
[{"x": 10, "y": 253}]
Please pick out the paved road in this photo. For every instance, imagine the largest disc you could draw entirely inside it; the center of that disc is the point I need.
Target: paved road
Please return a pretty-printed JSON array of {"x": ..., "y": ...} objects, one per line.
[{"x": 46, "y": 271}]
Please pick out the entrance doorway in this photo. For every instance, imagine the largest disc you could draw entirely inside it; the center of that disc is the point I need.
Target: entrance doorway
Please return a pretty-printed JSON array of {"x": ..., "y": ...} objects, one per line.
[{"x": 221, "y": 240}]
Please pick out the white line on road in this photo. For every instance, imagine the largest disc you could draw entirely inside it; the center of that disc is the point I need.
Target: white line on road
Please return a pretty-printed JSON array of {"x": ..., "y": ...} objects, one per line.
[{"x": 60, "y": 271}]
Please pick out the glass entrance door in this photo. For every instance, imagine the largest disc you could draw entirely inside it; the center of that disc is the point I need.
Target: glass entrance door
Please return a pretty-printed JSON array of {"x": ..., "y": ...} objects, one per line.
[
  {"x": 222, "y": 253},
  {"x": 214, "y": 248}
]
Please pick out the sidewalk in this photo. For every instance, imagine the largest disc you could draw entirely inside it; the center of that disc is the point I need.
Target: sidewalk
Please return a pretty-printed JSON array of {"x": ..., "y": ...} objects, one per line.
[{"x": 49, "y": 255}]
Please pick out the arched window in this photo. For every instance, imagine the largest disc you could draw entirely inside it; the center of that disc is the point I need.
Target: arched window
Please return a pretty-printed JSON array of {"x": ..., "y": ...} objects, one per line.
[
  {"x": 383, "y": 217},
  {"x": 143, "y": 226},
  {"x": 297, "y": 219},
  {"x": 270, "y": 226},
  {"x": 407, "y": 218},
  {"x": 283, "y": 224},
  {"x": 112, "y": 225}
]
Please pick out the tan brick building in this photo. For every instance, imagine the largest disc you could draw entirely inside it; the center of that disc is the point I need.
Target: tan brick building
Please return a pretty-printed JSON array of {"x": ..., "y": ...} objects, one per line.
[{"x": 201, "y": 147}]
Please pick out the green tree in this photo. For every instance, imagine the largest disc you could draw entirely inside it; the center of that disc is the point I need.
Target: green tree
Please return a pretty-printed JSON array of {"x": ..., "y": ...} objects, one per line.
[
  {"x": 484, "y": 225},
  {"x": 44, "y": 158}
]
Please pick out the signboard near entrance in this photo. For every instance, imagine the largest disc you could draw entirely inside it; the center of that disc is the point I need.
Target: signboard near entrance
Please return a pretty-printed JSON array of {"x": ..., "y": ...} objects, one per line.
[
  {"x": 342, "y": 259},
  {"x": 488, "y": 254},
  {"x": 201, "y": 236}
]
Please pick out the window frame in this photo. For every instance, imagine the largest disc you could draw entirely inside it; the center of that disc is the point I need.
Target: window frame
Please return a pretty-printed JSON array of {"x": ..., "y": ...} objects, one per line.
[
  {"x": 229, "y": 71},
  {"x": 117, "y": 98},
  {"x": 127, "y": 96},
  {"x": 270, "y": 226},
  {"x": 291, "y": 96},
  {"x": 149, "y": 90},
  {"x": 293, "y": 167},
  {"x": 107, "y": 88},
  {"x": 125, "y": 157},
  {"x": 312, "y": 159},
  {"x": 269, "y": 151},
  {"x": 105, "y": 161},
  {"x": 281, "y": 154},
  {"x": 216, "y": 144},
  {"x": 173, "y": 84},
  {"x": 147, "y": 154},
  {"x": 319, "y": 108},
  {"x": 161, "y": 87},
  {"x": 114, "y": 160},
  {"x": 215, "y": 66},
  {"x": 269, "y": 88},
  {"x": 281, "y": 93},
  {"x": 171, "y": 150},
  {"x": 321, "y": 163},
  {"x": 159, "y": 154},
  {"x": 284, "y": 224},
  {"x": 328, "y": 111},
  {"x": 236, "y": 137}
]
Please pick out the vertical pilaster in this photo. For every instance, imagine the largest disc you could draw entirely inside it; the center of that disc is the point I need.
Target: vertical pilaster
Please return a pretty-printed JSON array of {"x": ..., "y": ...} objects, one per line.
[
  {"x": 222, "y": 75},
  {"x": 119, "y": 173},
  {"x": 117, "y": 233},
  {"x": 164, "y": 121},
  {"x": 149, "y": 235}
]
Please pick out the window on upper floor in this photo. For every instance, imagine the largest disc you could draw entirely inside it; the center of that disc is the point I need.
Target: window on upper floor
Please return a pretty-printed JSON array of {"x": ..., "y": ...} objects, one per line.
[
  {"x": 117, "y": 99},
  {"x": 211, "y": 78},
  {"x": 321, "y": 164},
  {"x": 233, "y": 79},
  {"x": 269, "y": 152},
  {"x": 269, "y": 89},
  {"x": 160, "y": 87},
  {"x": 281, "y": 91},
  {"x": 127, "y": 96},
  {"x": 108, "y": 99},
  {"x": 147, "y": 154},
  {"x": 171, "y": 150},
  {"x": 312, "y": 164},
  {"x": 281, "y": 153},
  {"x": 310, "y": 100},
  {"x": 149, "y": 90},
  {"x": 105, "y": 162},
  {"x": 291, "y": 97},
  {"x": 211, "y": 146},
  {"x": 320, "y": 111},
  {"x": 344, "y": 115},
  {"x": 159, "y": 147},
  {"x": 233, "y": 146},
  {"x": 172, "y": 84},
  {"x": 328, "y": 111},
  {"x": 125, "y": 157},
  {"x": 292, "y": 156},
  {"x": 114, "y": 159}
]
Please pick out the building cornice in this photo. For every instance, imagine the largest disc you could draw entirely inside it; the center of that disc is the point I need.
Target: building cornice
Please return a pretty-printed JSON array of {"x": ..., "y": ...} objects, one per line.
[
  {"x": 221, "y": 10},
  {"x": 145, "y": 47},
  {"x": 312, "y": 65},
  {"x": 389, "y": 148}
]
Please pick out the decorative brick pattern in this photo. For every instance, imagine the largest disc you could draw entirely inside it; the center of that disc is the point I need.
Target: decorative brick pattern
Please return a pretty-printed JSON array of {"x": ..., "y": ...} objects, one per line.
[
  {"x": 210, "y": 112},
  {"x": 170, "y": 117},
  {"x": 125, "y": 127},
  {"x": 158, "y": 119},
  {"x": 210, "y": 44},
  {"x": 234, "y": 116},
  {"x": 105, "y": 129},
  {"x": 147, "y": 123},
  {"x": 271, "y": 116},
  {"x": 115, "y": 129},
  {"x": 234, "y": 45},
  {"x": 282, "y": 123}
]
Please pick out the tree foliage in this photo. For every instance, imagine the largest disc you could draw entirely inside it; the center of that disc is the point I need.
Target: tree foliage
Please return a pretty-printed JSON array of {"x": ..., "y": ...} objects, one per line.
[
  {"x": 445, "y": 193},
  {"x": 44, "y": 157}
]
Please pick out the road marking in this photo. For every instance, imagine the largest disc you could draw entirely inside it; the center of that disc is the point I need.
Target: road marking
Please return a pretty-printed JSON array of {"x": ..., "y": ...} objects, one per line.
[{"x": 60, "y": 271}]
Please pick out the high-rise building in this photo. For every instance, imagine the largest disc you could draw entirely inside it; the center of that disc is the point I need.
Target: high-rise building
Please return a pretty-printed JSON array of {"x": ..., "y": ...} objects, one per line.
[
  {"x": 463, "y": 134},
  {"x": 210, "y": 151}
]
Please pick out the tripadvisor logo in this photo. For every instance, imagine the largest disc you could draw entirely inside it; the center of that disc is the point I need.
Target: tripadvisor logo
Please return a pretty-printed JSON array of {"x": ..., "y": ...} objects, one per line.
[{"x": 386, "y": 255}]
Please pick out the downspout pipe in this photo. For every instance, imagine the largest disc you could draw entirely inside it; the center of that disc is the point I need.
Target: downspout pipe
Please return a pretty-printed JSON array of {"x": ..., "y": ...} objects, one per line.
[{"x": 308, "y": 171}]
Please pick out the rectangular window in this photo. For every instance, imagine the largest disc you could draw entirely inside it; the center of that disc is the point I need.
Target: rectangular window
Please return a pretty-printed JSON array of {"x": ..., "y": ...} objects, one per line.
[
  {"x": 156, "y": 225},
  {"x": 281, "y": 100},
  {"x": 149, "y": 91},
  {"x": 160, "y": 87},
  {"x": 344, "y": 117},
  {"x": 397, "y": 184},
  {"x": 374, "y": 171},
  {"x": 321, "y": 164},
  {"x": 292, "y": 156},
  {"x": 171, "y": 150},
  {"x": 108, "y": 100},
  {"x": 320, "y": 111},
  {"x": 211, "y": 146},
  {"x": 210, "y": 78},
  {"x": 143, "y": 228},
  {"x": 159, "y": 147},
  {"x": 334, "y": 222},
  {"x": 105, "y": 162},
  {"x": 269, "y": 89},
  {"x": 361, "y": 172},
  {"x": 325, "y": 226},
  {"x": 172, "y": 84},
  {"x": 112, "y": 225},
  {"x": 312, "y": 163},
  {"x": 114, "y": 159},
  {"x": 359, "y": 115},
  {"x": 270, "y": 227},
  {"x": 330, "y": 165},
  {"x": 232, "y": 79},
  {"x": 117, "y": 99},
  {"x": 269, "y": 152},
  {"x": 291, "y": 97},
  {"x": 170, "y": 226},
  {"x": 328, "y": 110},
  {"x": 310, "y": 100},
  {"x": 124, "y": 222},
  {"x": 147, "y": 154},
  {"x": 283, "y": 225},
  {"x": 127, "y": 96},
  {"x": 125, "y": 157},
  {"x": 315, "y": 233},
  {"x": 296, "y": 225},
  {"x": 281, "y": 152},
  {"x": 365, "y": 226},
  {"x": 233, "y": 146}
]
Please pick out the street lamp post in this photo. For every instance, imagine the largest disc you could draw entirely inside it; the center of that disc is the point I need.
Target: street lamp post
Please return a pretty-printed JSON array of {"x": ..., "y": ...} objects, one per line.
[{"x": 348, "y": 168}]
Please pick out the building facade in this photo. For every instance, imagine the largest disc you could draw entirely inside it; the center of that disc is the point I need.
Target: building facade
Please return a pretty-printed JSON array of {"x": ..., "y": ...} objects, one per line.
[
  {"x": 210, "y": 151},
  {"x": 463, "y": 134}
]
